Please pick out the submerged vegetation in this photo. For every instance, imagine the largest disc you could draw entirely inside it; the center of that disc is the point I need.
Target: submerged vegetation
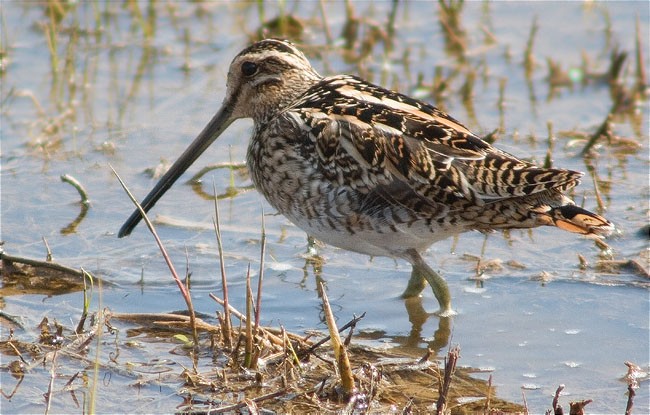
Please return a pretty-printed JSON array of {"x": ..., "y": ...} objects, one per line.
[{"x": 103, "y": 60}]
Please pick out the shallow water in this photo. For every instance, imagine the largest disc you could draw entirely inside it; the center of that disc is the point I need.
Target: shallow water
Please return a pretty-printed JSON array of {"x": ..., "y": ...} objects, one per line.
[{"x": 132, "y": 101}]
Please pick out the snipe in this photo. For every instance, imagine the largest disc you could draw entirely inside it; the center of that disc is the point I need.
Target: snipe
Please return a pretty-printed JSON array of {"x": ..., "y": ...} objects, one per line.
[{"x": 374, "y": 171}]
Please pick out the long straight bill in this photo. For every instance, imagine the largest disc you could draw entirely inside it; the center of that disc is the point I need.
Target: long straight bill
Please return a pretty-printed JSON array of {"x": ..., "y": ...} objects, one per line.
[{"x": 211, "y": 132}]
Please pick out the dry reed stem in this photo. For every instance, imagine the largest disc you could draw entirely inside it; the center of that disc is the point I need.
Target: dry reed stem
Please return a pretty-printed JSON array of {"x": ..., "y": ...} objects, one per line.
[
  {"x": 225, "y": 165},
  {"x": 630, "y": 399},
  {"x": 86, "y": 306},
  {"x": 340, "y": 352},
  {"x": 556, "y": 399},
  {"x": 604, "y": 130},
  {"x": 48, "y": 255},
  {"x": 232, "y": 310},
  {"x": 486, "y": 409},
  {"x": 166, "y": 320},
  {"x": 227, "y": 323},
  {"x": 184, "y": 292},
  {"x": 599, "y": 198},
  {"x": 529, "y": 60},
  {"x": 248, "y": 345},
  {"x": 641, "y": 76},
  {"x": 450, "y": 367},
  {"x": 258, "y": 301},
  {"x": 548, "y": 160},
  {"x": 289, "y": 347},
  {"x": 50, "y": 386},
  {"x": 240, "y": 405},
  {"x": 523, "y": 396},
  {"x": 66, "y": 178},
  {"x": 351, "y": 323},
  {"x": 326, "y": 28}
]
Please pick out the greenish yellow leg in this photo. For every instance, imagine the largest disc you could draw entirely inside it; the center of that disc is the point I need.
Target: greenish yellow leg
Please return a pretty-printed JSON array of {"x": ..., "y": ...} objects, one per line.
[
  {"x": 439, "y": 286},
  {"x": 422, "y": 271},
  {"x": 311, "y": 246},
  {"x": 415, "y": 286}
]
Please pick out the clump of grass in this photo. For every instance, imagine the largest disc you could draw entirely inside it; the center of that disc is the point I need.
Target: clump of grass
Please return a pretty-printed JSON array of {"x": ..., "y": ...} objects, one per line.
[
  {"x": 449, "y": 17},
  {"x": 285, "y": 25},
  {"x": 297, "y": 374},
  {"x": 557, "y": 76},
  {"x": 56, "y": 12}
]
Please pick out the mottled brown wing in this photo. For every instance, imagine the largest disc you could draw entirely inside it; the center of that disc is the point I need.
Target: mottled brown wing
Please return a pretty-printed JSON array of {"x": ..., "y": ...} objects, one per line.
[{"x": 366, "y": 135}]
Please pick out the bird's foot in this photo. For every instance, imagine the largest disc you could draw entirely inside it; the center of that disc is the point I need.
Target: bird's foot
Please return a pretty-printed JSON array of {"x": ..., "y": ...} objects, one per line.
[
  {"x": 422, "y": 272},
  {"x": 449, "y": 312},
  {"x": 312, "y": 247}
]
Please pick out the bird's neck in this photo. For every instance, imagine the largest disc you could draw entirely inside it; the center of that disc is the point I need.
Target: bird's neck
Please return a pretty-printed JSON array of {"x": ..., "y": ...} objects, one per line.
[{"x": 277, "y": 96}]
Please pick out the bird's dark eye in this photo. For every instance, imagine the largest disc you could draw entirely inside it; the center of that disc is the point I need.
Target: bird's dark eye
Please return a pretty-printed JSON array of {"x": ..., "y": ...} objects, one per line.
[{"x": 248, "y": 68}]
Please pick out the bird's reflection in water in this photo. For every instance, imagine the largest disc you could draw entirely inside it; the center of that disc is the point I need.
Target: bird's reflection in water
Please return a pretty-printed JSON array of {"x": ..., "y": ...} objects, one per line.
[
  {"x": 418, "y": 316},
  {"x": 415, "y": 341}
]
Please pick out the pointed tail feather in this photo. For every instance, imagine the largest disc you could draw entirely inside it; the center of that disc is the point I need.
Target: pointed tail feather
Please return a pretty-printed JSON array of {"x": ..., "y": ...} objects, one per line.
[{"x": 575, "y": 219}]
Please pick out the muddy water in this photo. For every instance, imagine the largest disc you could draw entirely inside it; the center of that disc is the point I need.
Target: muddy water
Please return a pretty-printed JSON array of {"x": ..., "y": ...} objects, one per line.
[{"x": 533, "y": 320}]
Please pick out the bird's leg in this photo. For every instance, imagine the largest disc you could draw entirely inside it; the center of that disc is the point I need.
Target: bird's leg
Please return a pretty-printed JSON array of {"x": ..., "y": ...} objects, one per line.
[
  {"x": 312, "y": 251},
  {"x": 439, "y": 286},
  {"x": 415, "y": 286},
  {"x": 421, "y": 272},
  {"x": 315, "y": 261}
]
